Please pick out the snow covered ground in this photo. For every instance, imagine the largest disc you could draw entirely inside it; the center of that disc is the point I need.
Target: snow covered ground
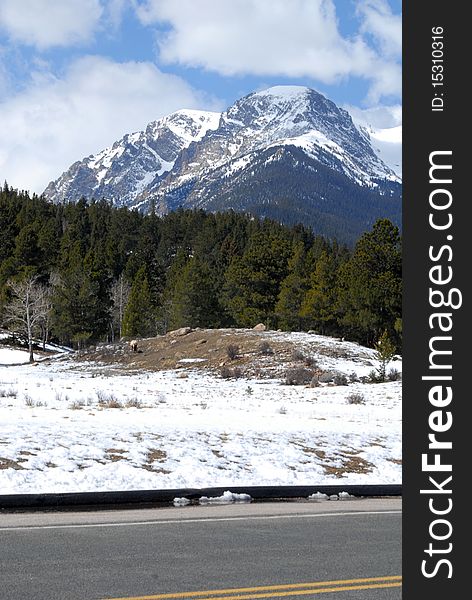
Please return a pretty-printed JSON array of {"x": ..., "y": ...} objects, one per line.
[{"x": 79, "y": 426}]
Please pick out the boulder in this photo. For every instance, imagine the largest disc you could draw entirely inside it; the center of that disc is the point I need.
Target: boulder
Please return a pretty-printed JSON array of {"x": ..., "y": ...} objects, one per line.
[
  {"x": 259, "y": 327},
  {"x": 180, "y": 332}
]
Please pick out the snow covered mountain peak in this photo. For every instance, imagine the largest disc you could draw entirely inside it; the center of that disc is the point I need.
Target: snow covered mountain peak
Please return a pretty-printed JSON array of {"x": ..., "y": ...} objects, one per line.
[
  {"x": 279, "y": 152},
  {"x": 124, "y": 170},
  {"x": 189, "y": 125},
  {"x": 280, "y": 116},
  {"x": 284, "y": 91}
]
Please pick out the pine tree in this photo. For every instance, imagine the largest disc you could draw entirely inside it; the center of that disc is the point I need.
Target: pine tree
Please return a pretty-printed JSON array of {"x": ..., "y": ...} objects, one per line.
[
  {"x": 80, "y": 300},
  {"x": 385, "y": 349},
  {"x": 138, "y": 316},
  {"x": 370, "y": 285},
  {"x": 194, "y": 301},
  {"x": 253, "y": 281},
  {"x": 318, "y": 306},
  {"x": 292, "y": 291},
  {"x": 27, "y": 252}
]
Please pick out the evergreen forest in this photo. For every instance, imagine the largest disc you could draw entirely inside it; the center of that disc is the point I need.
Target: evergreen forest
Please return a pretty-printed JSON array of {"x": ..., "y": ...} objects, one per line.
[{"x": 86, "y": 272}]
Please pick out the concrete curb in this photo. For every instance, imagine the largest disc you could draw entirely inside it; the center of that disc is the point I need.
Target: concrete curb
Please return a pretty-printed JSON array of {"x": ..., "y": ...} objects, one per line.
[{"x": 145, "y": 498}]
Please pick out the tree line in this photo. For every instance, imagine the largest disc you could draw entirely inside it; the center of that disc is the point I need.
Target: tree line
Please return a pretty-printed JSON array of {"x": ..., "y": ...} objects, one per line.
[{"x": 97, "y": 273}]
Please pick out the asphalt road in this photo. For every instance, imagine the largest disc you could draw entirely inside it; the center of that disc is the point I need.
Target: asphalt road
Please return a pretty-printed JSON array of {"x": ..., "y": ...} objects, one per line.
[{"x": 350, "y": 550}]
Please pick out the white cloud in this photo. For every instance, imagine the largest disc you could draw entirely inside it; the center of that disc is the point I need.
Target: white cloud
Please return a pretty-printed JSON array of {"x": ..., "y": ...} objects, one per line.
[
  {"x": 48, "y": 23},
  {"x": 384, "y": 124},
  {"x": 382, "y": 24},
  {"x": 300, "y": 38},
  {"x": 115, "y": 10},
  {"x": 55, "y": 121},
  {"x": 380, "y": 117}
]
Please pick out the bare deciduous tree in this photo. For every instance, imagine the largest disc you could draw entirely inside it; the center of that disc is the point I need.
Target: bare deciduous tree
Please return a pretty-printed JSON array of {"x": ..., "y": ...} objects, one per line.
[
  {"x": 28, "y": 308},
  {"x": 120, "y": 295}
]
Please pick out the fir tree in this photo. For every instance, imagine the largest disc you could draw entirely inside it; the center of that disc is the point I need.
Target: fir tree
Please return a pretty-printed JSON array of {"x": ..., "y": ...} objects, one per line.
[
  {"x": 194, "y": 300},
  {"x": 385, "y": 349},
  {"x": 292, "y": 291},
  {"x": 80, "y": 303},
  {"x": 370, "y": 285},
  {"x": 138, "y": 317},
  {"x": 318, "y": 306},
  {"x": 253, "y": 282}
]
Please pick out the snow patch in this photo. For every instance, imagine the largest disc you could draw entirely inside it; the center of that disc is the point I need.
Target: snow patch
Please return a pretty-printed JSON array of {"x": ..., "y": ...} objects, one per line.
[
  {"x": 181, "y": 501},
  {"x": 227, "y": 498}
]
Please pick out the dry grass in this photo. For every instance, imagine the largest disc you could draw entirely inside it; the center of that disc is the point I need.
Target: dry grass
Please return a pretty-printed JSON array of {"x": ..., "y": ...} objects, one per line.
[
  {"x": 165, "y": 352},
  {"x": 115, "y": 454},
  {"x": 351, "y": 464},
  {"x": 156, "y": 455},
  {"x": 350, "y": 459},
  {"x": 7, "y": 463}
]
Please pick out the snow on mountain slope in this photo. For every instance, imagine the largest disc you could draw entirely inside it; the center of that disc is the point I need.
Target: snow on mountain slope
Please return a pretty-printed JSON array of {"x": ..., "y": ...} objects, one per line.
[
  {"x": 124, "y": 170},
  {"x": 387, "y": 143},
  {"x": 281, "y": 116},
  {"x": 287, "y": 153}
]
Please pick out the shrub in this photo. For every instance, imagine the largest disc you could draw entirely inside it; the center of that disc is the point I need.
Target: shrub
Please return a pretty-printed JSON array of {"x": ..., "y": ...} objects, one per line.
[
  {"x": 298, "y": 376},
  {"x": 133, "y": 403},
  {"x": 114, "y": 403},
  {"x": 232, "y": 351},
  {"x": 28, "y": 400},
  {"x": 326, "y": 377},
  {"x": 355, "y": 399},
  {"x": 375, "y": 377},
  {"x": 108, "y": 400},
  {"x": 298, "y": 355},
  {"x": 311, "y": 361},
  {"x": 77, "y": 404},
  {"x": 8, "y": 393},
  {"x": 227, "y": 373},
  {"x": 340, "y": 379},
  {"x": 394, "y": 375},
  {"x": 265, "y": 348}
]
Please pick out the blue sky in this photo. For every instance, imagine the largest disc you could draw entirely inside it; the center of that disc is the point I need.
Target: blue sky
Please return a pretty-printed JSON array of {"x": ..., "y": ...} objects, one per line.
[{"x": 75, "y": 75}]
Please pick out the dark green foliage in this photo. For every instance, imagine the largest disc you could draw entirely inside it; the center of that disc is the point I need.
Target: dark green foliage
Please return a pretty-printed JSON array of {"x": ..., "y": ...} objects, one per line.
[
  {"x": 385, "y": 352},
  {"x": 80, "y": 300},
  {"x": 192, "y": 268},
  {"x": 318, "y": 309},
  {"x": 253, "y": 281},
  {"x": 370, "y": 286},
  {"x": 293, "y": 290},
  {"x": 194, "y": 302},
  {"x": 288, "y": 186},
  {"x": 137, "y": 318}
]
